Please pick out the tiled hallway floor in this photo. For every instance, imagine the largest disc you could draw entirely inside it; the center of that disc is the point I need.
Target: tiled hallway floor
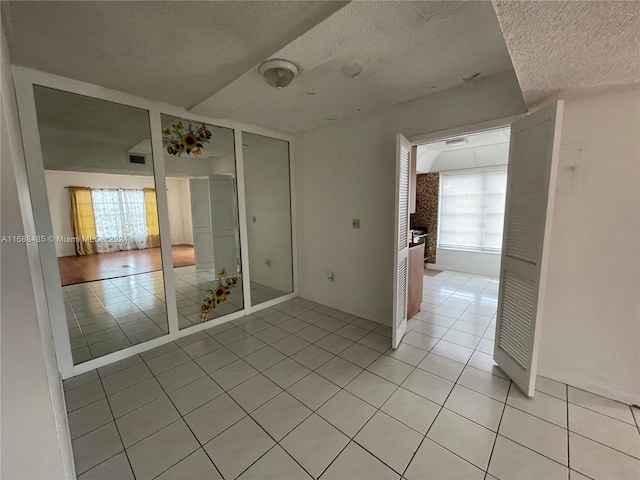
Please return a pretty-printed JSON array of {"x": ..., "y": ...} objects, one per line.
[{"x": 304, "y": 391}]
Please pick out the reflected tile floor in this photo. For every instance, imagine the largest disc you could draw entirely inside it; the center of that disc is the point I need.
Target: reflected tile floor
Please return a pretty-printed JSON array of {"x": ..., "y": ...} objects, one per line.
[
  {"x": 304, "y": 391},
  {"x": 191, "y": 288},
  {"x": 262, "y": 293},
  {"x": 108, "y": 315}
]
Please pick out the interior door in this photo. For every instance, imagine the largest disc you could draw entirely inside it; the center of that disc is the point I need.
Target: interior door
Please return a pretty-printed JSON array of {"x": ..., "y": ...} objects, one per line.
[
  {"x": 401, "y": 240},
  {"x": 201, "y": 223},
  {"x": 224, "y": 218},
  {"x": 531, "y": 179}
]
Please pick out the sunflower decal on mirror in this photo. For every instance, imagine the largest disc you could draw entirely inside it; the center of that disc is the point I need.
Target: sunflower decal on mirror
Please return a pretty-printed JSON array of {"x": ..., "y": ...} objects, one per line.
[
  {"x": 218, "y": 294},
  {"x": 188, "y": 139}
]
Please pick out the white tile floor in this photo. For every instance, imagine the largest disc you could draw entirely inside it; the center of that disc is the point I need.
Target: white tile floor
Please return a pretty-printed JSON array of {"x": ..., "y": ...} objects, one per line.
[
  {"x": 305, "y": 391},
  {"x": 108, "y": 315}
]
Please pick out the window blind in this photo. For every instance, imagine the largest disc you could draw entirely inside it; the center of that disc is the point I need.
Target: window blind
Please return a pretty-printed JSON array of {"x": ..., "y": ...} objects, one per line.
[{"x": 471, "y": 213}]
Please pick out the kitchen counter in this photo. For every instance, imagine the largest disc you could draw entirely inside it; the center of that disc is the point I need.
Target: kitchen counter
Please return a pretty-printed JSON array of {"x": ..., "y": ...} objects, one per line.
[{"x": 416, "y": 273}]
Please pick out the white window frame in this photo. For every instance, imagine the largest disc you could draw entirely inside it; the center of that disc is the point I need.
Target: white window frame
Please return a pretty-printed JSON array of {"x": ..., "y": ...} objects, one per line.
[{"x": 440, "y": 246}]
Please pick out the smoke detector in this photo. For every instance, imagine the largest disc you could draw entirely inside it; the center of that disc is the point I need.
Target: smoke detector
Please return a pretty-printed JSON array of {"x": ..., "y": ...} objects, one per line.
[{"x": 278, "y": 73}]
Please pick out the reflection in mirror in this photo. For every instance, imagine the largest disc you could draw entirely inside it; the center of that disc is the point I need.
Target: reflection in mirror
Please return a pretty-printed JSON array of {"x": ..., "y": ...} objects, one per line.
[
  {"x": 102, "y": 200},
  {"x": 267, "y": 190},
  {"x": 203, "y": 216}
]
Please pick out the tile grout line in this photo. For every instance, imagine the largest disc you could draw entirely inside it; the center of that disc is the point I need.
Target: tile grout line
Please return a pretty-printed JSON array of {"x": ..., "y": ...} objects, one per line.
[
  {"x": 449, "y": 394},
  {"x": 495, "y": 440},
  {"x": 106, "y": 308},
  {"x": 442, "y": 407},
  {"x": 192, "y": 359},
  {"x": 543, "y": 419},
  {"x": 206, "y": 374},
  {"x": 247, "y": 414},
  {"x": 116, "y": 427},
  {"x": 181, "y": 417},
  {"x": 314, "y": 411},
  {"x": 333, "y": 355},
  {"x": 504, "y": 408},
  {"x": 566, "y": 387}
]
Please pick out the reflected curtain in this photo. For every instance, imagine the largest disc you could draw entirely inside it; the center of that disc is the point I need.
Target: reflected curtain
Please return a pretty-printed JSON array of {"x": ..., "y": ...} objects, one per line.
[
  {"x": 120, "y": 218},
  {"x": 82, "y": 220},
  {"x": 151, "y": 206}
]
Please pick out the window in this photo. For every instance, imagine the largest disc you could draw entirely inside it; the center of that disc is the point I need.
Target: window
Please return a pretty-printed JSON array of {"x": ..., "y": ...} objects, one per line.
[
  {"x": 471, "y": 213},
  {"x": 120, "y": 219}
]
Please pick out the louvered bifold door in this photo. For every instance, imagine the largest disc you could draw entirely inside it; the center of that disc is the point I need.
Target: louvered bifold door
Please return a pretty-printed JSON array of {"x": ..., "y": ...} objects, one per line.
[
  {"x": 401, "y": 241},
  {"x": 531, "y": 178}
]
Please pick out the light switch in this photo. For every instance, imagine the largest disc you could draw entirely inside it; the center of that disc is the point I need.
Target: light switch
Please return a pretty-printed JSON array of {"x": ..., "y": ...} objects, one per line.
[{"x": 355, "y": 223}]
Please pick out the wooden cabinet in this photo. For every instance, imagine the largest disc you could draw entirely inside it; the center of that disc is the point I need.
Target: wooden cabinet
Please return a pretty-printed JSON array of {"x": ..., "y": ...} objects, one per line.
[{"x": 416, "y": 273}]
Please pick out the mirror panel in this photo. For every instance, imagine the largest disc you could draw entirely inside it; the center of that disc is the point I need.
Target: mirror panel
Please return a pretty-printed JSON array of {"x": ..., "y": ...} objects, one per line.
[
  {"x": 203, "y": 217},
  {"x": 99, "y": 177},
  {"x": 268, "y": 195}
]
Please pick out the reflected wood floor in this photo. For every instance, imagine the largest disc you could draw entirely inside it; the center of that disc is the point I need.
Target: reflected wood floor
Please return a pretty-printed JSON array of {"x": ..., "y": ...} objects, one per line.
[{"x": 101, "y": 266}]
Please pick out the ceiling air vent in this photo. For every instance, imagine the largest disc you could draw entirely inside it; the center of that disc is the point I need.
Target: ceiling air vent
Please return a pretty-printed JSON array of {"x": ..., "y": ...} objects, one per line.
[{"x": 139, "y": 159}]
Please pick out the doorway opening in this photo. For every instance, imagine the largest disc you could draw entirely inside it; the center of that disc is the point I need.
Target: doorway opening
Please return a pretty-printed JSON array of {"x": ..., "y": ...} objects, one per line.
[
  {"x": 460, "y": 189},
  {"x": 477, "y": 201}
]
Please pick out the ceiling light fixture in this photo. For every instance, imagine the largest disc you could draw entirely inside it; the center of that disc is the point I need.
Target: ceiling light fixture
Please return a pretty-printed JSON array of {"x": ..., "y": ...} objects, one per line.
[
  {"x": 278, "y": 73},
  {"x": 456, "y": 142}
]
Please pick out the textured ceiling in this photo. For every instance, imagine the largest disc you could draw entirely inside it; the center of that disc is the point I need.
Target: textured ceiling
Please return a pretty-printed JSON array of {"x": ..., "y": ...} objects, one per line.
[
  {"x": 571, "y": 48},
  {"x": 205, "y": 55},
  {"x": 405, "y": 50},
  {"x": 177, "y": 52}
]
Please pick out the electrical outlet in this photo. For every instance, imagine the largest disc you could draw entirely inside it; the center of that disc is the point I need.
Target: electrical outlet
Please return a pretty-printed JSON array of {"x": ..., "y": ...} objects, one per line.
[{"x": 355, "y": 223}]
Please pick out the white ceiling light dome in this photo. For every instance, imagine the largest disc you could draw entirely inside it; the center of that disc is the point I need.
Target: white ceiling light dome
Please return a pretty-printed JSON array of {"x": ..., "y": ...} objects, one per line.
[{"x": 278, "y": 73}]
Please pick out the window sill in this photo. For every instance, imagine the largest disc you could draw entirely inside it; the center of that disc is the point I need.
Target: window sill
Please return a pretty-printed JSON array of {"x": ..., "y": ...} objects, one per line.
[{"x": 469, "y": 250}]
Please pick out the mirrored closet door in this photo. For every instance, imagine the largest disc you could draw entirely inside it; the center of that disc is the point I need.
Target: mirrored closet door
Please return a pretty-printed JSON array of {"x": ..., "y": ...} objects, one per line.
[
  {"x": 268, "y": 200},
  {"x": 102, "y": 199},
  {"x": 200, "y": 167}
]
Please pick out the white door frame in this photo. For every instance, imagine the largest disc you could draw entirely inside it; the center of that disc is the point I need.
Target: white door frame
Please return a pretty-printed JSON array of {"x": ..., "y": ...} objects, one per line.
[{"x": 45, "y": 255}]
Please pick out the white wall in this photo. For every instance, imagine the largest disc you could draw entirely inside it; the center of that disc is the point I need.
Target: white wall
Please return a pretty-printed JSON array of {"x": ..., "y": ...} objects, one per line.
[
  {"x": 469, "y": 262},
  {"x": 188, "y": 166},
  {"x": 179, "y": 200},
  {"x": 34, "y": 432},
  {"x": 225, "y": 165},
  {"x": 266, "y": 173},
  {"x": 591, "y": 329},
  {"x": 346, "y": 170},
  {"x": 57, "y": 181}
]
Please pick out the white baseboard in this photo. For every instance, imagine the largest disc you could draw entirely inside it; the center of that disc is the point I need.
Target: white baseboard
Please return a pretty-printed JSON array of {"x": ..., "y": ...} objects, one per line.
[
  {"x": 342, "y": 308},
  {"x": 589, "y": 385}
]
